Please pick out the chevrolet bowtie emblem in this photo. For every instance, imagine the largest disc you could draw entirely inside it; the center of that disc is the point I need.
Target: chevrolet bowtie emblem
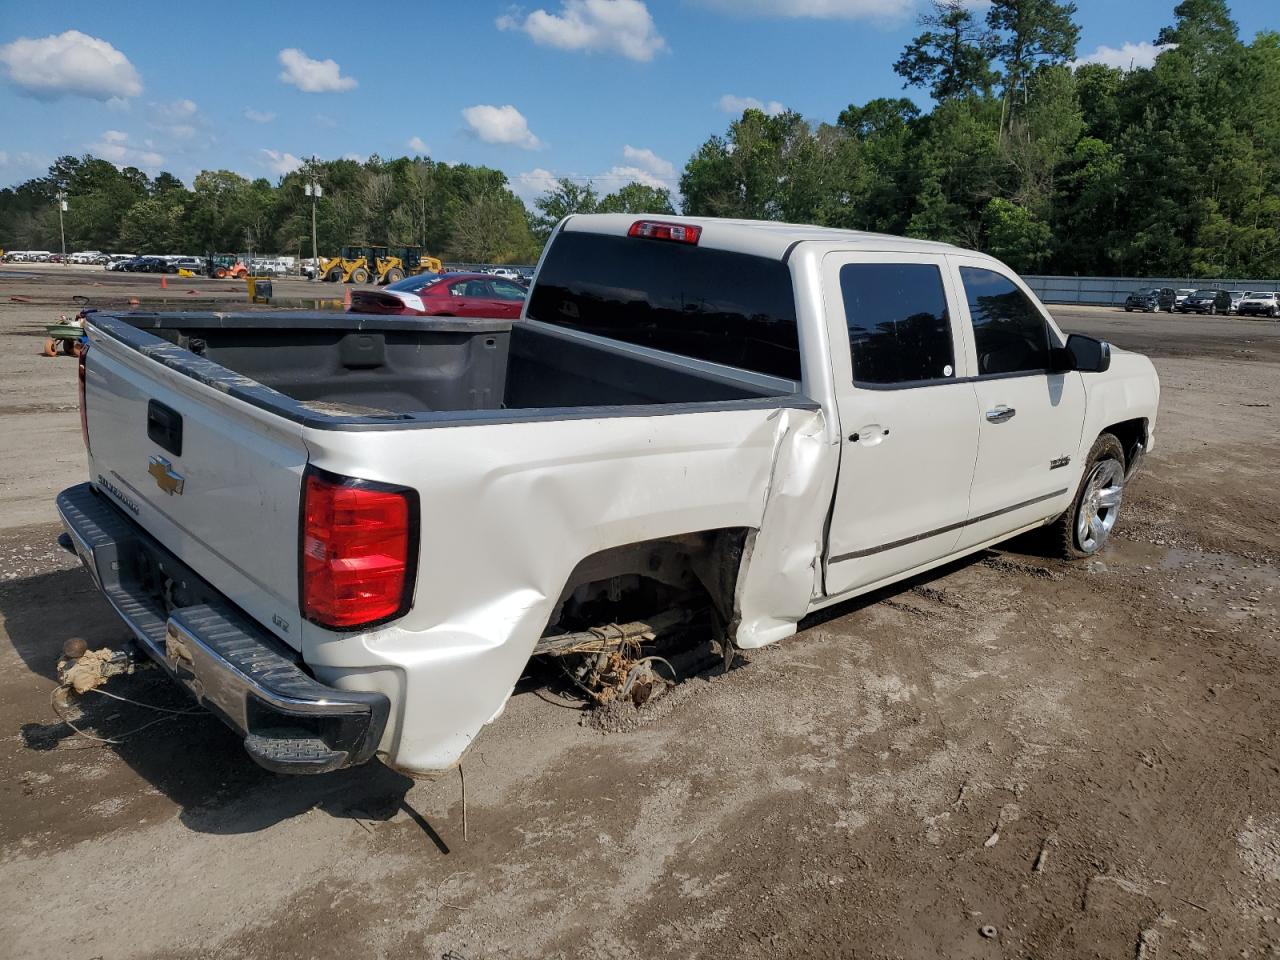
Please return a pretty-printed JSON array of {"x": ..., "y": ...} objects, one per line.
[{"x": 166, "y": 479}]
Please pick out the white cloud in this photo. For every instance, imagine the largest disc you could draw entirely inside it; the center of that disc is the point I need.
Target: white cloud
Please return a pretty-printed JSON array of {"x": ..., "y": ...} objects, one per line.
[
  {"x": 619, "y": 176},
  {"x": 279, "y": 163},
  {"x": 177, "y": 118},
  {"x": 606, "y": 26},
  {"x": 418, "y": 146},
  {"x": 1136, "y": 55},
  {"x": 735, "y": 105},
  {"x": 885, "y": 10},
  {"x": 650, "y": 161},
  {"x": 312, "y": 76},
  {"x": 115, "y": 146},
  {"x": 357, "y": 157},
  {"x": 258, "y": 116},
  {"x": 505, "y": 125},
  {"x": 70, "y": 63},
  {"x": 16, "y": 167},
  {"x": 533, "y": 183}
]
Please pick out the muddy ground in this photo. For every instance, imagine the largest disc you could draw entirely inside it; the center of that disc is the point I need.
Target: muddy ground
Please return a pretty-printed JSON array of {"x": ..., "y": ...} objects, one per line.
[{"x": 1078, "y": 760}]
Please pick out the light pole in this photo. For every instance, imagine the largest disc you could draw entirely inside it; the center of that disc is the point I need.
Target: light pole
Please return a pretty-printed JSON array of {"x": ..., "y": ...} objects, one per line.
[
  {"x": 312, "y": 189},
  {"x": 62, "y": 231}
]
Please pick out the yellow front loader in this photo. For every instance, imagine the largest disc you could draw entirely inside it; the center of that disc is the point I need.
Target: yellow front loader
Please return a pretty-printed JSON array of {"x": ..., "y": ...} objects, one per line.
[{"x": 362, "y": 264}]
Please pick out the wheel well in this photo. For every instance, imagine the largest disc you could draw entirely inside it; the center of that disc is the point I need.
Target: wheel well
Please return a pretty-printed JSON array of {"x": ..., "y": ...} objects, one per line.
[
  {"x": 1130, "y": 433},
  {"x": 636, "y": 580}
]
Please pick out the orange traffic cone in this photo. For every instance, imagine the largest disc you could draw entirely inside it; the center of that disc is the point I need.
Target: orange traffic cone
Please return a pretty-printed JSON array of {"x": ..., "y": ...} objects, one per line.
[
  {"x": 164, "y": 283},
  {"x": 346, "y": 299}
]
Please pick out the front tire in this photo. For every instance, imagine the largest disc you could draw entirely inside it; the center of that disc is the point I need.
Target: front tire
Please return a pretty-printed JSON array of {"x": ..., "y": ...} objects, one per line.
[{"x": 1087, "y": 524}]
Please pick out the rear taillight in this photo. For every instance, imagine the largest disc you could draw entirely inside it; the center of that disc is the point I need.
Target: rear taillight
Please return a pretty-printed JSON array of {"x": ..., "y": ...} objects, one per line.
[
  {"x": 84, "y": 416},
  {"x": 359, "y": 550},
  {"x": 657, "y": 230}
]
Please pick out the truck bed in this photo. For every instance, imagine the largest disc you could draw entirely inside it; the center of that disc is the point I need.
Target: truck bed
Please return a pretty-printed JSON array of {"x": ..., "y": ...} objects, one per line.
[{"x": 326, "y": 369}]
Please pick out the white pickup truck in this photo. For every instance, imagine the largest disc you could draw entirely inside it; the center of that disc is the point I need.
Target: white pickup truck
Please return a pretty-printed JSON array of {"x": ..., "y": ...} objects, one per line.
[{"x": 348, "y": 534}]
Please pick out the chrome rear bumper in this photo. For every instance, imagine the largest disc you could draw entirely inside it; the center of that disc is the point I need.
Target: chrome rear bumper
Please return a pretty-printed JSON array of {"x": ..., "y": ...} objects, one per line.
[{"x": 291, "y": 723}]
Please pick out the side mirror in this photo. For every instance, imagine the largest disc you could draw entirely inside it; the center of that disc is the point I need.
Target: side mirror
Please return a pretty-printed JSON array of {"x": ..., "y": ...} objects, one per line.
[{"x": 1084, "y": 354}]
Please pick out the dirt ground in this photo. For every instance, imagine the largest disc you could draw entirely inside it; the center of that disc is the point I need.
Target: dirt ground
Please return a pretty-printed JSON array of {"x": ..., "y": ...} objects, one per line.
[{"x": 1013, "y": 757}]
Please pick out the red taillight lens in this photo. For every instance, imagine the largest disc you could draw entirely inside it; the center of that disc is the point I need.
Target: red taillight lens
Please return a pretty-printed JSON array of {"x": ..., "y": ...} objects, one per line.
[
  {"x": 656, "y": 230},
  {"x": 359, "y": 550},
  {"x": 84, "y": 416}
]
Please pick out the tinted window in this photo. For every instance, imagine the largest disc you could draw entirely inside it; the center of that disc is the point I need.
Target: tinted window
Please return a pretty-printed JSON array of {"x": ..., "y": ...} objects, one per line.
[
  {"x": 506, "y": 290},
  {"x": 471, "y": 288},
  {"x": 714, "y": 305},
  {"x": 1011, "y": 333},
  {"x": 414, "y": 284},
  {"x": 899, "y": 330}
]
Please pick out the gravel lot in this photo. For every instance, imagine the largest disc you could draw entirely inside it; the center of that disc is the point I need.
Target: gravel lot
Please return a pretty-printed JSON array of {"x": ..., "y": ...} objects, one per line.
[{"x": 1076, "y": 760}]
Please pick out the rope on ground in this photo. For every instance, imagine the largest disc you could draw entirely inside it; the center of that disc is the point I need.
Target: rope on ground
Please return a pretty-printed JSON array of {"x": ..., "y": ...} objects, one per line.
[{"x": 120, "y": 738}]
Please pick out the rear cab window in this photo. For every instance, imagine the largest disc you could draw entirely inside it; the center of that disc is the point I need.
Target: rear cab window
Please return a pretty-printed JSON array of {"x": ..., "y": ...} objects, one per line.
[
  {"x": 899, "y": 324},
  {"x": 714, "y": 305}
]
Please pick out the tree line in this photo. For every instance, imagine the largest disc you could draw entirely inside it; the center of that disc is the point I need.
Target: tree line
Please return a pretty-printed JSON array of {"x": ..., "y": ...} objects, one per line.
[{"x": 1171, "y": 170}]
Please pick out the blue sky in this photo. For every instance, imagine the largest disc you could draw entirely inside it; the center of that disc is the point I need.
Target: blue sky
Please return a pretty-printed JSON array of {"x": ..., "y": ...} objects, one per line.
[{"x": 607, "y": 89}]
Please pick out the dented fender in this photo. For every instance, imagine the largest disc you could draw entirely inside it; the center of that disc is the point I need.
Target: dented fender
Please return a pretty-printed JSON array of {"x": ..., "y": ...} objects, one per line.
[{"x": 509, "y": 510}]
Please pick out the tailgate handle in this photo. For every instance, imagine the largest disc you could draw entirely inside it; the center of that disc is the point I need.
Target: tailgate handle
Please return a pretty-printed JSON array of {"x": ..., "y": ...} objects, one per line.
[{"x": 164, "y": 426}]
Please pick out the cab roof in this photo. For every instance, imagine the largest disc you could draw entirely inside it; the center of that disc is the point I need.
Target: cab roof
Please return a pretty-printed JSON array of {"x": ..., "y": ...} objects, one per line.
[{"x": 762, "y": 238}]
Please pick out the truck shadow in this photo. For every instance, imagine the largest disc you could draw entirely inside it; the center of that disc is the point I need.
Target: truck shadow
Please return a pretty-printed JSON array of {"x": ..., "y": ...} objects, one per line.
[
  {"x": 163, "y": 735},
  {"x": 1029, "y": 553}
]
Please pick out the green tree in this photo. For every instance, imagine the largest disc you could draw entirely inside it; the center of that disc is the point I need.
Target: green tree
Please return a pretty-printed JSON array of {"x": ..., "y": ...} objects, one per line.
[
  {"x": 153, "y": 224},
  {"x": 1026, "y": 35},
  {"x": 950, "y": 58},
  {"x": 637, "y": 198},
  {"x": 1015, "y": 235},
  {"x": 492, "y": 229},
  {"x": 1202, "y": 29},
  {"x": 566, "y": 197}
]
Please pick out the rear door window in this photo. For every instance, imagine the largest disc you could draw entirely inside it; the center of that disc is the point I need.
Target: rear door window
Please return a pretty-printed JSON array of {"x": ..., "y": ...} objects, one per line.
[
  {"x": 506, "y": 290},
  {"x": 1010, "y": 333},
  {"x": 899, "y": 325},
  {"x": 713, "y": 305}
]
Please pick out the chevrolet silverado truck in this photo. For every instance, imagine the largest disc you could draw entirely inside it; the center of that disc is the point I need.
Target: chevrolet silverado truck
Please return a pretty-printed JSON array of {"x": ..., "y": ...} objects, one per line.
[{"x": 347, "y": 535}]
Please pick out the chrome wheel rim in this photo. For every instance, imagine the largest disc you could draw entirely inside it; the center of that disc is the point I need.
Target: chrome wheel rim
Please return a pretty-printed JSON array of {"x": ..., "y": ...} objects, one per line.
[{"x": 1099, "y": 504}]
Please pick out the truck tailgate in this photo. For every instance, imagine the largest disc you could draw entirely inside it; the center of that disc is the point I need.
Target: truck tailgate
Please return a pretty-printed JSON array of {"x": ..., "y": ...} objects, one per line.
[{"x": 216, "y": 480}]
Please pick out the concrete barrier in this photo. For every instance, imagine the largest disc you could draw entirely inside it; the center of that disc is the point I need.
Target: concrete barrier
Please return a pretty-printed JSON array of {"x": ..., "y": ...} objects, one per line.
[{"x": 1112, "y": 291}]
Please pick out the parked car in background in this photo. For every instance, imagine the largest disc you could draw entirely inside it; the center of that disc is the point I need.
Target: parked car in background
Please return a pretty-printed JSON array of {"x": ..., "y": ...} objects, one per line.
[
  {"x": 117, "y": 261},
  {"x": 84, "y": 256},
  {"x": 1207, "y": 301},
  {"x": 1260, "y": 305},
  {"x": 1181, "y": 294},
  {"x": 444, "y": 295},
  {"x": 1151, "y": 300},
  {"x": 1236, "y": 297},
  {"x": 194, "y": 264}
]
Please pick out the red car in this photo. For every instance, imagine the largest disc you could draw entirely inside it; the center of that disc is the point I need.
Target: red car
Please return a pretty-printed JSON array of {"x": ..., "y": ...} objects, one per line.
[{"x": 444, "y": 295}]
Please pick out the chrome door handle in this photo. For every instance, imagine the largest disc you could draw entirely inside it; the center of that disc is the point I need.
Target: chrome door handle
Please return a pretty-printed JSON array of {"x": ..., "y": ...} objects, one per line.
[{"x": 1001, "y": 414}]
